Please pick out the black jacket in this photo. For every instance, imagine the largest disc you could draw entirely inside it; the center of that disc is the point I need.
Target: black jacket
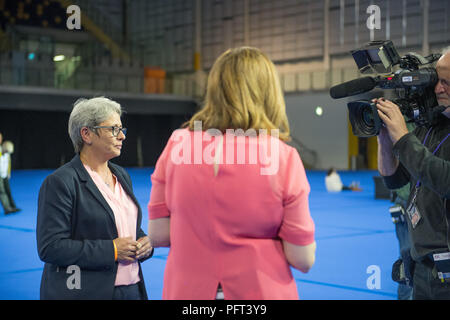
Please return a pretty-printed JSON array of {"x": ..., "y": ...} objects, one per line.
[
  {"x": 76, "y": 226},
  {"x": 417, "y": 163}
]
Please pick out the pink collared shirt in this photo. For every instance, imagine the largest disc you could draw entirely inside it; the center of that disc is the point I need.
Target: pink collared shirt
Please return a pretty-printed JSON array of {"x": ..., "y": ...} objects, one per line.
[{"x": 125, "y": 214}]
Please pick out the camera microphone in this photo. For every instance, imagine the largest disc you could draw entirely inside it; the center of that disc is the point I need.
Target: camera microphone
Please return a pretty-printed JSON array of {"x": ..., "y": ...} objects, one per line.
[{"x": 353, "y": 87}]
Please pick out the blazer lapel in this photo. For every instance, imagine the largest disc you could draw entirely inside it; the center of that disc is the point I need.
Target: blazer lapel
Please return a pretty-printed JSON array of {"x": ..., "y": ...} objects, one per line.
[{"x": 90, "y": 185}]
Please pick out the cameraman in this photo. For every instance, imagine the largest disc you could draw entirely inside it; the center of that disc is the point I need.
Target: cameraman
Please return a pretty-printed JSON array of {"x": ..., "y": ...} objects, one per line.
[{"x": 423, "y": 159}]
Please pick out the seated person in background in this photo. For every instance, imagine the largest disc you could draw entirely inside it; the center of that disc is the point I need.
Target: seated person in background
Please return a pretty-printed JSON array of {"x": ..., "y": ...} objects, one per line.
[{"x": 333, "y": 182}]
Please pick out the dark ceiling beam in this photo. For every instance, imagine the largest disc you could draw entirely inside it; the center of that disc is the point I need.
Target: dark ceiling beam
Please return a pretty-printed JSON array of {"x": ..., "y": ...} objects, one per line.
[{"x": 48, "y": 99}]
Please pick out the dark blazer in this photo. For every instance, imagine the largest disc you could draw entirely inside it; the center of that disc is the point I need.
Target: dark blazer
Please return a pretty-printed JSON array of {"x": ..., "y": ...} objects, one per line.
[{"x": 75, "y": 227}]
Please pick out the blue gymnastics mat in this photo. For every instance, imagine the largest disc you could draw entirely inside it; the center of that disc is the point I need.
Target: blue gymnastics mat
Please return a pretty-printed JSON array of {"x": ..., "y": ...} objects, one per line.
[{"x": 356, "y": 243}]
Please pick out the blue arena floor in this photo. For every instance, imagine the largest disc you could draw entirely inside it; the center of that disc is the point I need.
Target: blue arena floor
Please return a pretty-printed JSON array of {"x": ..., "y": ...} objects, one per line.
[{"x": 356, "y": 243}]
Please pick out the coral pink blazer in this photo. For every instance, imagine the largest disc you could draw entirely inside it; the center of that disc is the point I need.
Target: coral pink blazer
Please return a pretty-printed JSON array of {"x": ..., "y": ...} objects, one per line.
[{"x": 227, "y": 221}]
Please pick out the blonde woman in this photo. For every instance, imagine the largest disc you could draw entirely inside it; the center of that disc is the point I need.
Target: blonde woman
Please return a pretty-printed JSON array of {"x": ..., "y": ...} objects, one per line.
[{"x": 228, "y": 196}]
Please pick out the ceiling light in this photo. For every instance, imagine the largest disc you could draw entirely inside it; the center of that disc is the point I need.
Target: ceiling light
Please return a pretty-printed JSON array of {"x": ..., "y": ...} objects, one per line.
[
  {"x": 59, "y": 58},
  {"x": 319, "y": 111}
]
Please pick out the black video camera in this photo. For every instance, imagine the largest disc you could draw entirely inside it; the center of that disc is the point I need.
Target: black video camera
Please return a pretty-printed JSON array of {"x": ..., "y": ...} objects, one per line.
[{"x": 414, "y": 86}]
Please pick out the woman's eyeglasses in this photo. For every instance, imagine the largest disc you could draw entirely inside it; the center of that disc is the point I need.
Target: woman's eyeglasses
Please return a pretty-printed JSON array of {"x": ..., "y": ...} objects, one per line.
[{"x": 114, "y": 130}]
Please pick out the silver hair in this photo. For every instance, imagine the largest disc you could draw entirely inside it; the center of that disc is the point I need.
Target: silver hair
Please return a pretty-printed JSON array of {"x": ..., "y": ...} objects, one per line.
[{"x": 89, "y": 113}]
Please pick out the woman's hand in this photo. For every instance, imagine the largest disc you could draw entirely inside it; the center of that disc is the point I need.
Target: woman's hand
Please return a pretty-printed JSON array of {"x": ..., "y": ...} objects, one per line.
[
  {"x": 126, "y": 249},
  {"x": 144, "y": 248}
]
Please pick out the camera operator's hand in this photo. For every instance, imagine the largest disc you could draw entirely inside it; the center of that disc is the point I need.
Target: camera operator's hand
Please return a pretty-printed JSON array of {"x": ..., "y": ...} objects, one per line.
[
  {"x": 387, "y": 162},
  {"x": 391, "y": 116}
]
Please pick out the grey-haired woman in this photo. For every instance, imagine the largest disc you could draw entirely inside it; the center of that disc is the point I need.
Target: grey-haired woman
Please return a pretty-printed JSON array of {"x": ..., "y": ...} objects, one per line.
[{"x": 89, "y": 222}]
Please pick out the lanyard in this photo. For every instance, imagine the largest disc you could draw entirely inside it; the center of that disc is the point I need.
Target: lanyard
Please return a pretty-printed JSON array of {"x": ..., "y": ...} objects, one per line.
[{"x": 434, "y": 152}]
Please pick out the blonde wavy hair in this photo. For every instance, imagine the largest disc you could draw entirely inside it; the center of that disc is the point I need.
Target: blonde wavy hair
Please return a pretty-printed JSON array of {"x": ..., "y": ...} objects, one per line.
[{"x": 243, "y": 92}]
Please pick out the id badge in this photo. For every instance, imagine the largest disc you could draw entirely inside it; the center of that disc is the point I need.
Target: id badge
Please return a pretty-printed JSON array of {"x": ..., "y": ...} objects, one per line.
[{"x": 412, "y": 210}]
